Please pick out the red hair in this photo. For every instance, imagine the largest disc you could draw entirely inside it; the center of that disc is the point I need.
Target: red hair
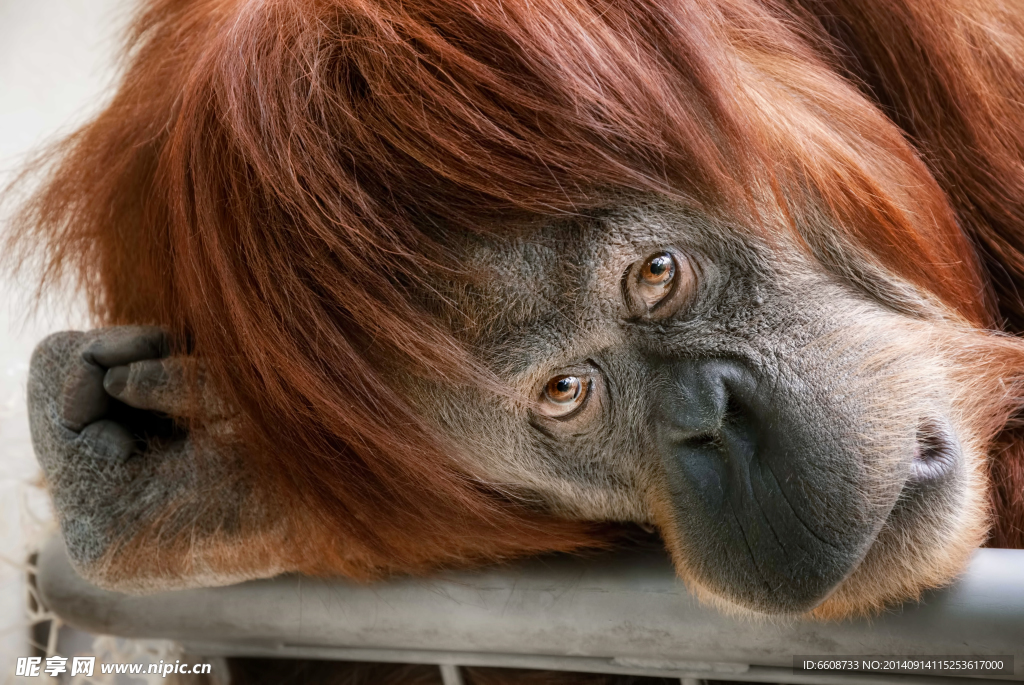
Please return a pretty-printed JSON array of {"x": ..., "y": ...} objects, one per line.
[{"x": 273, "y": 182}]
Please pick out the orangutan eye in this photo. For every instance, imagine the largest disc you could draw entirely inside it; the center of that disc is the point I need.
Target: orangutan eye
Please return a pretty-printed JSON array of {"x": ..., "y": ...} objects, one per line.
[
  {"x": 654, "y": 283},
  {"x": 655, "y": 278},
  {"x": 563, "y": 395}
]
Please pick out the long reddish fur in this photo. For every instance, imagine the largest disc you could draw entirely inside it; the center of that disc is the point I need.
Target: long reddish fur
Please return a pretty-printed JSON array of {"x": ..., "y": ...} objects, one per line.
[{"x": 273, "y": 182}]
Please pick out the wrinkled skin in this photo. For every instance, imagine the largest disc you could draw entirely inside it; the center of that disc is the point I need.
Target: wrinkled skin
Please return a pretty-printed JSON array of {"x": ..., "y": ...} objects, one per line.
[{"x": 788, "y": 433}]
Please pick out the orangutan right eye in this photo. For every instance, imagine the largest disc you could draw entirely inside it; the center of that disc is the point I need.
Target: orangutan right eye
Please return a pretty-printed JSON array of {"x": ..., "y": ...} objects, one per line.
[{"x": 564, "y": 395}]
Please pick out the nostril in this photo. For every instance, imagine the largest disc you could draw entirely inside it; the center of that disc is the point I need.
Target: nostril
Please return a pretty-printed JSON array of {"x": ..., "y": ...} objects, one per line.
[
  {"x": 733, "y": 410},
  {"x": 936, "y": 455}
]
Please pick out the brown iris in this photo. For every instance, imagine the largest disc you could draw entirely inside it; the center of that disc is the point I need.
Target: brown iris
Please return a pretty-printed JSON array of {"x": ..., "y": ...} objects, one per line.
[
  {"x": 563, "y": 395},
  {"x": 658, "y": 270},
  {"x": 655, "y": 278}
]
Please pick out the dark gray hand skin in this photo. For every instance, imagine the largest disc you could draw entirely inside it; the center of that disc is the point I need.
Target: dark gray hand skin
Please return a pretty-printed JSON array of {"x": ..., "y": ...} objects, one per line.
[{"x": 127, "y": 482}]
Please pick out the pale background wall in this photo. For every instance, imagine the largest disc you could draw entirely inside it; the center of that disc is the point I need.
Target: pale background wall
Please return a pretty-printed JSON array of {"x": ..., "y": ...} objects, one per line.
[{"x": 55, "y": 69}]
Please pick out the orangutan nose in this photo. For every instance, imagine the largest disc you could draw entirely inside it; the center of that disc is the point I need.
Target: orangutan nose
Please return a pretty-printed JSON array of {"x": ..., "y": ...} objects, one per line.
[{"x": 744, "y": 466}]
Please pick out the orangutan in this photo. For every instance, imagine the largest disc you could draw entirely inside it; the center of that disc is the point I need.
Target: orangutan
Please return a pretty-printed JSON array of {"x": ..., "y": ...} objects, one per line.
[{"x": 387, "y": 286}]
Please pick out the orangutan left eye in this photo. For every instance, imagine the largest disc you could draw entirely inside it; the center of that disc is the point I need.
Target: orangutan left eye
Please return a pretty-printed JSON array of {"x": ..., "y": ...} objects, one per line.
[
  {"x": 659, "y": 285},
  {"x": 655, "y": 278}
]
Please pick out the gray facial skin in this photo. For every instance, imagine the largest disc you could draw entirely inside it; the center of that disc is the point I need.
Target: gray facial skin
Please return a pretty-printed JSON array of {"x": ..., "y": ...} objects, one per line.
[{"x": 766, "y": 415}]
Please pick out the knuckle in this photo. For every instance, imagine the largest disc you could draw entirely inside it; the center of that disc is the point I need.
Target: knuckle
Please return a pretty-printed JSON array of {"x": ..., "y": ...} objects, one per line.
[
  {"x": 49, "y": 368},
  {"x": 55, "y": 350},
  {"x": 145, "y": 381}
]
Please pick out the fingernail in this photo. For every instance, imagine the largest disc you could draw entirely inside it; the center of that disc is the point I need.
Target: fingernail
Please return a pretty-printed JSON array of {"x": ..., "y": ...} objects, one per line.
[{"x": 115, "y": 380}]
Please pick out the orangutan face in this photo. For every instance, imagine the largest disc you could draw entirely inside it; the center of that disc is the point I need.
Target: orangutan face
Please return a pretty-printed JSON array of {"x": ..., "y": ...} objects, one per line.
[{"x": 793, "y": 438}]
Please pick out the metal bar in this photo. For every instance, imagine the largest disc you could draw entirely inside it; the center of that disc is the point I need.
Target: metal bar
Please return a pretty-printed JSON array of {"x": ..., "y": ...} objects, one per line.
[
  {"x": 451, "y": 675},
  {"x": 614, "y": 614}
]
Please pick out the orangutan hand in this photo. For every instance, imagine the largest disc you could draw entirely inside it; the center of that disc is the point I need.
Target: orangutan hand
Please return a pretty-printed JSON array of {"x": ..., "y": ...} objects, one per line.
[{"x": 129, "y": 483}]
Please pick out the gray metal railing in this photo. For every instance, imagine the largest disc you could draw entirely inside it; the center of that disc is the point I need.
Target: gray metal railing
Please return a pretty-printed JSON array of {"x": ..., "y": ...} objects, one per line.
[{"x": 617, "y": 614}]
